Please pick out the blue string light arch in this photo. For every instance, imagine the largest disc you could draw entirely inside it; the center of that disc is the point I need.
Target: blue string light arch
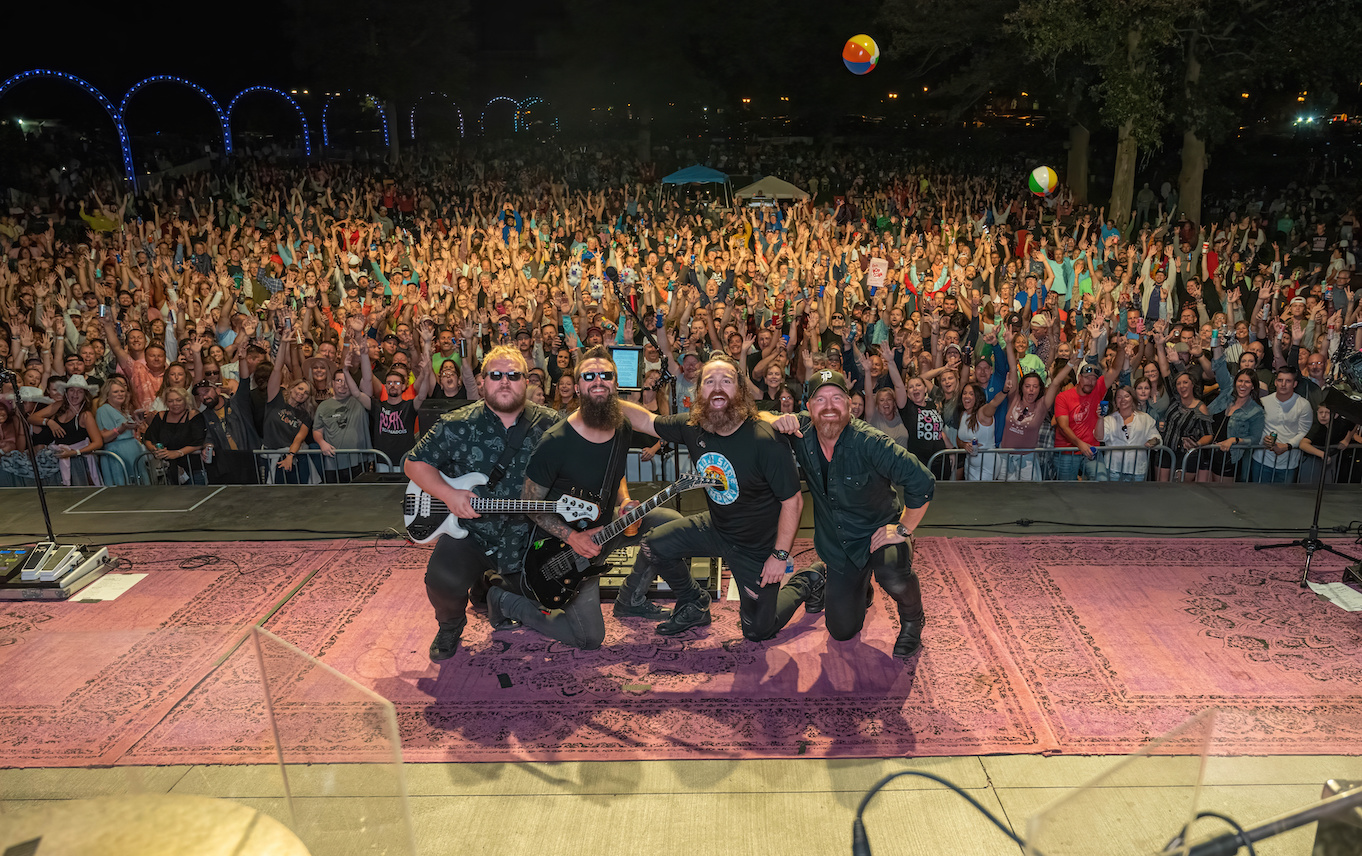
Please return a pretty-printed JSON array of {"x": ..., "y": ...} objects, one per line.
[
  {"x": 109, "y": 107},
  {"x": 382, "y": 114},
  {"x": 515, "y": 119},
  {"x": 521, "y": 124},
  {"x": 170, "y": 78},
  {"x": 307, "y": 142},
  {"x": 452, "y": 103}
]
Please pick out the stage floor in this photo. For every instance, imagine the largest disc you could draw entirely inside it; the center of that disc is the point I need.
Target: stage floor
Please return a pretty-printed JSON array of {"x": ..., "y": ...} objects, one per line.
[
  {"x": 234, "y": 513},
  {"x": 706, "y": 806}
]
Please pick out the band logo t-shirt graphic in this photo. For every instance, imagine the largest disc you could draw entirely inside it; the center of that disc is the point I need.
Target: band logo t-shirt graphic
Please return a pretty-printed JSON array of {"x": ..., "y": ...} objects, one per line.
[
  {"x": 390, "y": 422},
  {"x": 716, "y": 465},
  {"x": 929, "y": 425}
]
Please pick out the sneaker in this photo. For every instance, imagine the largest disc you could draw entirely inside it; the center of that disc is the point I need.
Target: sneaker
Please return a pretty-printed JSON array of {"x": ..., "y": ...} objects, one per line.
[
  {"x": 910, "y": 639},
  {"x": 495, "y": 616},
  {"x": 446, "y": 643},
  {"x": 816, "y": 599},
  {"x": 646, "y": 609},
  {"x": 692, "y": 613}
]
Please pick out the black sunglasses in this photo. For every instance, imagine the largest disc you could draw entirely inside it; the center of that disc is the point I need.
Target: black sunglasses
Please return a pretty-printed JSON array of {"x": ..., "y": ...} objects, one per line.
[
  {"x": 511, "y": 376},
  {"x": 602, "y": 375}
]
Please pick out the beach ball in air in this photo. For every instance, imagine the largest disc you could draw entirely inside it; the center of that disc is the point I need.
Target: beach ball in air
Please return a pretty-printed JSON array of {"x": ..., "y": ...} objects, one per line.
[
  {"x": 1043, "y": 180},
  {"x": 860, "y": 53}
]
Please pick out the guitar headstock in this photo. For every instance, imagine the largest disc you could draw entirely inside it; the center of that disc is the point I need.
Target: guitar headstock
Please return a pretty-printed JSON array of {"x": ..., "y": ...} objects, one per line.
[
  {"x": 573, "y": 508},
  {"x": 690, "y": 481}
]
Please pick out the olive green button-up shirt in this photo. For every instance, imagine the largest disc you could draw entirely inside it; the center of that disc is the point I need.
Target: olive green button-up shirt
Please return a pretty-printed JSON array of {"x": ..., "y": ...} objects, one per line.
[{"x": 859, "y": 498}]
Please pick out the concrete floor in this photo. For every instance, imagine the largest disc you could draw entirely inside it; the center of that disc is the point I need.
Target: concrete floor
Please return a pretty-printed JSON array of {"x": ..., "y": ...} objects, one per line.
[{"x": 710, "y": 807}]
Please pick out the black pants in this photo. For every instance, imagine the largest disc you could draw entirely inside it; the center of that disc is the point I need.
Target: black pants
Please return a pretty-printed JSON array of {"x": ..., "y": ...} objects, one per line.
[
  {"x": 848, "y": 591},
  {"x": 580, "y": 624},
  {"x": 762, "y": 609},
  {"x": 455, "y": 566}
]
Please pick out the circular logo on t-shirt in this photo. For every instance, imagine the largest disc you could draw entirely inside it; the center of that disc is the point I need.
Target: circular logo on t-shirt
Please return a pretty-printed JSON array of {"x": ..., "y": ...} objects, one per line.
[{"x": 717, "y": 466}]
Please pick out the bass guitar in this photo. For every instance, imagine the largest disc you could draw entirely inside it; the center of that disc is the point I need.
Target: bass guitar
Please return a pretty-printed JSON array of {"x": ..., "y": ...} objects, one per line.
[
  {"x": 427, "y": 518},
  {"x": 553, "y": 572}
]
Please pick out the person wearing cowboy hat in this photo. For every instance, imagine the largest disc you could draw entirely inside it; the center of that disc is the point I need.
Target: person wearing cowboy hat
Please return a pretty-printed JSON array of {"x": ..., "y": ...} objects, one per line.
[{"x": 76, "y": 431}]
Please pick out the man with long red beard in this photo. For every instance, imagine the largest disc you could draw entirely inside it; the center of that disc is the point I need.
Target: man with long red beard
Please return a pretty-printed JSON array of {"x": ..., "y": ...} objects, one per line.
[
  {"x": 751, "y": 521},
  {"x": 860, "y": 527}
]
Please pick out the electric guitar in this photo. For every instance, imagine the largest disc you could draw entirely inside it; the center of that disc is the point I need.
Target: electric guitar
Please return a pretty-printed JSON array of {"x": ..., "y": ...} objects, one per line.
[
  {"x": 427, "y": 518},
  {"x": 553, "y": 571}
]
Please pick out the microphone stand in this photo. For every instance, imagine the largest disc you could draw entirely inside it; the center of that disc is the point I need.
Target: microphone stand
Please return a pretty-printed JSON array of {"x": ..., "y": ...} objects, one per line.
[{"x": 612, "y": 276}]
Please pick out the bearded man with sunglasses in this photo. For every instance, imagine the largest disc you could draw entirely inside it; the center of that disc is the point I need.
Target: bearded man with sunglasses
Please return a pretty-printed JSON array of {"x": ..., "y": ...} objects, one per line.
[
  {"x": 585, "y": 455},
  {"x": 493, "y": 436}
]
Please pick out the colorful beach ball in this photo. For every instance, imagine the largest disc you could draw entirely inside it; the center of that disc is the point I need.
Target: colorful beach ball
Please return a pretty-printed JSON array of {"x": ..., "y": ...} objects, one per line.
[
  {"x": 860, "y": 54},
  {"x": 1043, "y": 180}
]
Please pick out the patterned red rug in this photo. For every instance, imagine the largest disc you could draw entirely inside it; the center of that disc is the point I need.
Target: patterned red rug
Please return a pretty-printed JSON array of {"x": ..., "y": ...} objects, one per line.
[
  {"x": 1119, "y": 641},
  {"x": 84, "y": 681},
  {"x": 515, "y": 695},
  {"x": 1033, "y": 645}
]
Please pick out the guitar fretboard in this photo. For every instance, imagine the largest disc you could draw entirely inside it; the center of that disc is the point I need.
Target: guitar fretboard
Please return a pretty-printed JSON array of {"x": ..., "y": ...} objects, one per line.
[
  {"x": 628, "y": 520},
  {"x": 507, "y": 506}
]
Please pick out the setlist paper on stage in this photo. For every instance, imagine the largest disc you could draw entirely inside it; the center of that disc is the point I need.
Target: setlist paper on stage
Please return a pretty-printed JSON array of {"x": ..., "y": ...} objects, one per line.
[
  {"x": 110, "y": 586},
  {"x": 1339, "y": 594}
]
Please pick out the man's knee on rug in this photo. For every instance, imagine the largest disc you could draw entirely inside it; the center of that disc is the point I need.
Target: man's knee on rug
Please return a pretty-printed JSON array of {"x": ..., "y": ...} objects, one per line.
[{"x": 843, "y": 630}]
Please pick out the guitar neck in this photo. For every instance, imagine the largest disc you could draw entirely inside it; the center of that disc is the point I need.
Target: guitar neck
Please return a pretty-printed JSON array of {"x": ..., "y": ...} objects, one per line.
[
  {"x": 513, "y": 506},
  {"x": 614, "y": 529}
]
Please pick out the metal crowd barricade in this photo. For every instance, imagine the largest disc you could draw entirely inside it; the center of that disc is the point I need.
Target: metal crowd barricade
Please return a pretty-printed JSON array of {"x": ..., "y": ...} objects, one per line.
[
  {"x": 267, "y": 462},
  {"x": 1270, "y": 459},
  {"x": 101, "y": 454},
  {"x": 1004, "y": 459},
  {"x": 158, "y": 474}
]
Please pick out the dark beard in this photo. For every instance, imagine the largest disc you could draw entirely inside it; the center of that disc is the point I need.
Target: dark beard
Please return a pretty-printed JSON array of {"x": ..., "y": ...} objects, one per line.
[
  {"x": 718, "y": 421},
  {"x": 606, "y": 415},
  {"x": 830, "y": 430}
]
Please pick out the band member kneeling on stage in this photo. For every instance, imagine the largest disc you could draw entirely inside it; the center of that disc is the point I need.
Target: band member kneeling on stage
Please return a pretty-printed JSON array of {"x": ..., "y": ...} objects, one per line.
[
  {"x": 751, "y": 522},
  {"x": 494, "y": 436},
  {"x": 585, "y": 455},
  {"x": 860, "y": 528}
]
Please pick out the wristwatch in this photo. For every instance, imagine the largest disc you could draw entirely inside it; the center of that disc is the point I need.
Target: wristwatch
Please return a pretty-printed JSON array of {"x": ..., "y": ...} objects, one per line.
[
  {"x": 902, "y": 530},
  {"x": 783, "y": 555}
]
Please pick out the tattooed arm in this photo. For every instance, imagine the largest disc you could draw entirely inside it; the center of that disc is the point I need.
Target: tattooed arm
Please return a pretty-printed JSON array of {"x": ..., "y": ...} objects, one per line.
[{"x": 580, "y": 542}]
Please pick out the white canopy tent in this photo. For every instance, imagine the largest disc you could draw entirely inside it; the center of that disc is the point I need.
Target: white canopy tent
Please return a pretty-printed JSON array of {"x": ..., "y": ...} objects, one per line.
[{"x": 771, "y": 187}]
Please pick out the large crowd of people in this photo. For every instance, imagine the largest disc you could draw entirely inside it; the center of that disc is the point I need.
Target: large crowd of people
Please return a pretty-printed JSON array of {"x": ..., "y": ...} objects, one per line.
[{"x": 303, "y": 323}]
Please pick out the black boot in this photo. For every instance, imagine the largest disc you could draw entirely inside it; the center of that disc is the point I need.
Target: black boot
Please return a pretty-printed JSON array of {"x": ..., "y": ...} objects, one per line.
[
  {"x": 910, "y": 637},
  {"x": 446, "y": 642}
]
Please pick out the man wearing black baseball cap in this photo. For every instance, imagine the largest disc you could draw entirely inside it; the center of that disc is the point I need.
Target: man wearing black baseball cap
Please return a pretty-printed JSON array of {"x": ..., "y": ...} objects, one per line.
[{"x": 860, "y": 527}]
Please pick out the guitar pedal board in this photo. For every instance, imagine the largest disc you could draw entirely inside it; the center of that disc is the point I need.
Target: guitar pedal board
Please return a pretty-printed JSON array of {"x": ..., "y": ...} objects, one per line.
[{"x": 50, "y": 571}]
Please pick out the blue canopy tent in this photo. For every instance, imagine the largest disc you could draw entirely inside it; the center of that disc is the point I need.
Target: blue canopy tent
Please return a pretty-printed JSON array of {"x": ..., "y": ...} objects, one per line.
[{"x": 700, "y": 175}]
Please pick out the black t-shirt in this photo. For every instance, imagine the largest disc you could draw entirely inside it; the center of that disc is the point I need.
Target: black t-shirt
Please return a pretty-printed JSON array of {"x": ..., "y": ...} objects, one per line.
[
  {"x": 176, "y": 435},
  {"x": 926, "y": 436},
  {"x": 1341, "y": 428},
  {"x": 566, "y": 462},
  {"x": 758, "y": 469},
  {"x": 282, "y": 421},
  {"x": 394, "y": 427}
]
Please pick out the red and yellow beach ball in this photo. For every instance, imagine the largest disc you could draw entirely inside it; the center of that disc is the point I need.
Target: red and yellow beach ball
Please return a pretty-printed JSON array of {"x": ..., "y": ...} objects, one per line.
[{"x": 860, "y": 54}]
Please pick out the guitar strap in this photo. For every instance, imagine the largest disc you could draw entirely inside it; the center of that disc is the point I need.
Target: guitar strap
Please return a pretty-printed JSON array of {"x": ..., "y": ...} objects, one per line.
[
  {"x": 514, "y": 440},
  {"x": 613, "y": 472}
]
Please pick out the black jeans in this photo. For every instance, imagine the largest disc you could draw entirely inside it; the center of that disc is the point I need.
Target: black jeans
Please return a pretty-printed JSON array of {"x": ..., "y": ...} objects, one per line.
[
  {"x": 762, "y": 609},
  {"x": 848, "y": 591},
  {"x": 454, "y": 567},
  {"x": 580, "y": 624}
]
